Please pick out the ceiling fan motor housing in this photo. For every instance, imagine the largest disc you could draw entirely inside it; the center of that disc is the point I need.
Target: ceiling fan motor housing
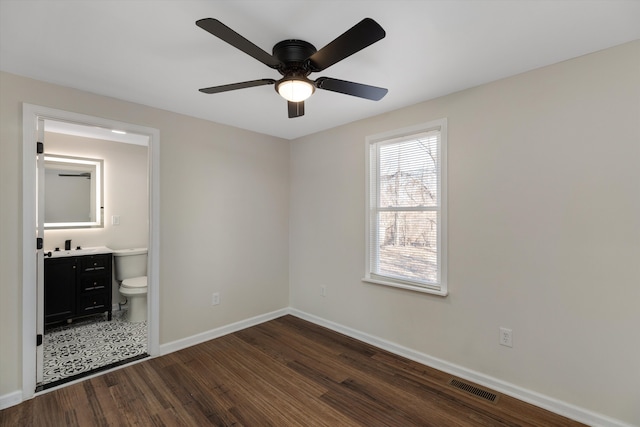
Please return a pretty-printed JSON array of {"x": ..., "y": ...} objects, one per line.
[{"x": 294, "y": 55}]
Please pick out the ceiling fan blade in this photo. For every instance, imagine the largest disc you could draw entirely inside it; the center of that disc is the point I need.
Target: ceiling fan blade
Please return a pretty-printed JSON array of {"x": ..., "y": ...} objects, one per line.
[
  {"x": 361, "y": 35},
  {"x": 226, "y": 34},
  {"x": 350, "y": 88},
  {"x": 296, "y": 109},
  {"x": 234, "y": 86}
]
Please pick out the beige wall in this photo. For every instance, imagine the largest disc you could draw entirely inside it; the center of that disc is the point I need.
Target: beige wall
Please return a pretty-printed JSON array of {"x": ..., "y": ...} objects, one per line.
[
  {"x": 544, "y": 232},
  {"x": 224, "y": 202},
  {"x": 126, "y": 194}
]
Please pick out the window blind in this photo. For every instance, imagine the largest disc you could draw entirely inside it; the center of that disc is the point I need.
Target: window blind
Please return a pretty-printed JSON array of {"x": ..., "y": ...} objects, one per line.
[{"x": 405, "y": 208}]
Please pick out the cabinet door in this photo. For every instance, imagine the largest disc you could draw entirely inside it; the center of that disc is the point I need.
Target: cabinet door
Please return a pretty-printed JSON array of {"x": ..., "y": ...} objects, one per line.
[{"x": 59, "y": 289}]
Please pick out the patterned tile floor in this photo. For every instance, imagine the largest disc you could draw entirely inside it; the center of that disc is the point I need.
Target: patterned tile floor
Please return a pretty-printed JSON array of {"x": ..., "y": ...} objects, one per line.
[{"x": 91, "y": 343}]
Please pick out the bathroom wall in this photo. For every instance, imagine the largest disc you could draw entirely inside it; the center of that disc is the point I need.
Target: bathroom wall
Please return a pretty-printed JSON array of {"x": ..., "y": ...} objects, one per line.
[{"x": 125, "y": 194}]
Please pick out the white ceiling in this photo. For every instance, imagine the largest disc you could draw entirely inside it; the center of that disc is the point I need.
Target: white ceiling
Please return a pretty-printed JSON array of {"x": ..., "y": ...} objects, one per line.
[
  {"x": 95, "y": 132},
  {"x": 152, "y": 53}
]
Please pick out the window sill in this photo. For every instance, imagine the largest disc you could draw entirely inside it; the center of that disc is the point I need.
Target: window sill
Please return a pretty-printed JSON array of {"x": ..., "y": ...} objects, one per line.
[{"x": 415, "y": 288}]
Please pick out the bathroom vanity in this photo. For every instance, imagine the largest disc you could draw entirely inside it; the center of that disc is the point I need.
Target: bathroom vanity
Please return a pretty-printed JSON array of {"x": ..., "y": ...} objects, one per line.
[{"x": 77, "y": 283}]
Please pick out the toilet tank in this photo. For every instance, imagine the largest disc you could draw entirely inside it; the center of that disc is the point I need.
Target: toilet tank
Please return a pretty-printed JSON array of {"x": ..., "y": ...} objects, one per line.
[{"x": 130, "y": 263}]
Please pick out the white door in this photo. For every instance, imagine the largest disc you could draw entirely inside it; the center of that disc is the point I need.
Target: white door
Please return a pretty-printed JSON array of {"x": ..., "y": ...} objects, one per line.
[{"x": 40, "y": 254}]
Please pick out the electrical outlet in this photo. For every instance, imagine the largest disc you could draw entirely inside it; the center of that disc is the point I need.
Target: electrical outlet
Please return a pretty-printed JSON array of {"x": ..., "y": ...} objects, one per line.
[
  {"x": 215, "y": 299},
  {"x": 506, "y": 337},
  {"x": 323, "y": 291}
]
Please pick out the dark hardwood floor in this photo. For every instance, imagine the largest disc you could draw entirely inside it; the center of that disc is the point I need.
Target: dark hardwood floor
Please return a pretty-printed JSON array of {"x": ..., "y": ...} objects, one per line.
[{"x": 286, "y": 372}]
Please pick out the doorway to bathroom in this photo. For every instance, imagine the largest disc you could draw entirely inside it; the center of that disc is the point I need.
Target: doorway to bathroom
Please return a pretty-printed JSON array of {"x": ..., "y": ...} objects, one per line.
[
  {"x": 89, "y": 324},
  {"x": 91, "y": 330}
]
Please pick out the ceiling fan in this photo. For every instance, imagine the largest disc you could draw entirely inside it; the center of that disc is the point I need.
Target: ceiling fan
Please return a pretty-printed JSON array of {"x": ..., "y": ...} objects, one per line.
[{"x": 296, "y": 59}]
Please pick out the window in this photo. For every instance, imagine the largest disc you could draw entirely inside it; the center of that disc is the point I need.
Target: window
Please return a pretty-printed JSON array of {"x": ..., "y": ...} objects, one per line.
[{"x": 406, "y": 208}]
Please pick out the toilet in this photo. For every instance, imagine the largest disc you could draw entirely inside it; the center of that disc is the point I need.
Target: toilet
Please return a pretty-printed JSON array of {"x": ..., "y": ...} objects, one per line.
[{"x": 131, "y": 274}]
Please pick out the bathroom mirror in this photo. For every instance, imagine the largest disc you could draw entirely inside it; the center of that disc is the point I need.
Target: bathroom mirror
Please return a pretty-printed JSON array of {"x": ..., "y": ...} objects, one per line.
[{"x": 73, "y": 191}]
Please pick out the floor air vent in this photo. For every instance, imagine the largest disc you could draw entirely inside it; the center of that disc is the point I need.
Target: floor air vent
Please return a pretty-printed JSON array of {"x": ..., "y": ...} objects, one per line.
[{"x": 483, "y": 394}]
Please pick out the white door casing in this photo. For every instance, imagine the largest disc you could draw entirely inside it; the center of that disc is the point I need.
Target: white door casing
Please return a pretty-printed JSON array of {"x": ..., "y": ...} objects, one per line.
[
  {"x": 40, "y": 252},
  {"x": 33, "y": 264}
]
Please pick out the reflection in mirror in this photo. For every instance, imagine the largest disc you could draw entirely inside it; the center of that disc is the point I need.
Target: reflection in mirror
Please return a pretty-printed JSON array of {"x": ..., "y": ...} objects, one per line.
[{"x": 73, "y": 188}]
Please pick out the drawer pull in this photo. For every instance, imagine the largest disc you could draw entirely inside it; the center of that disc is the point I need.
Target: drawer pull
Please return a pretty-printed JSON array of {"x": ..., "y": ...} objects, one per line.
[
  {"x": 94, "y": 288},
  {"x": 93, "y": 307}
]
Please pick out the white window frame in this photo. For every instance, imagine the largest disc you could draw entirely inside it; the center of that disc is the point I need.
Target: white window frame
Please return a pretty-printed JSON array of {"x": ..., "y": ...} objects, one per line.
[{"x": 440, "y": 286}]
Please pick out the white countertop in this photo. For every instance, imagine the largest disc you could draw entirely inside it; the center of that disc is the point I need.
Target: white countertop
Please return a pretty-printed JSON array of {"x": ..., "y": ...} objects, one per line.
[{"x": 80, "y": 252}]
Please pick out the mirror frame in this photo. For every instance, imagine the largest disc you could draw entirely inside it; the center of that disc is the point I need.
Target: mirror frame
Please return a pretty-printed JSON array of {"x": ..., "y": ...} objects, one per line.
[{"x": 98, "y": 164}]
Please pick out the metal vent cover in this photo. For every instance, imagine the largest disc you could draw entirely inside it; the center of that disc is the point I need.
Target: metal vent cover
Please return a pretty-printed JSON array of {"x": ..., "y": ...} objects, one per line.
[{"x": 476, "y": 391}]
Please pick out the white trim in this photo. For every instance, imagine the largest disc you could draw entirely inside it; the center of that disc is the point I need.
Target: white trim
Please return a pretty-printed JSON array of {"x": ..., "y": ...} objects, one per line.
[
  {"x": 395, "y": 136},
  {"x": 153, "y": 253},
  {"x": 415, "y": 288},
  {"x": 221, "y": 331},
  {"x": 554, "y": 405},
  {"x": 30, "y": 115},
  {"x": 29, "y": 276},
  {"x": 10, "y": 399}
]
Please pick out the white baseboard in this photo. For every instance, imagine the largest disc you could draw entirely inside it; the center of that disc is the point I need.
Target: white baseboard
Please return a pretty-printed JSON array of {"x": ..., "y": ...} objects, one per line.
[
  {"x": 554, "y": 405},
  {"x": 218, "y": 332},
  {"x": 10, "y": 399}
]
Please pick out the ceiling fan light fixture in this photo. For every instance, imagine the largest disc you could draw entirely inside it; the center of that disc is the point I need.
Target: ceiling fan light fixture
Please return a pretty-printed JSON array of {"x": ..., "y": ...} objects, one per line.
[{"x": 295, "y": 89}]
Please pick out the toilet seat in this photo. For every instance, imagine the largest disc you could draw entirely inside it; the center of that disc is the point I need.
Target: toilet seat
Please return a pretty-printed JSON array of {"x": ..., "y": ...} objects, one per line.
[
  {"x": 135, "y": 282},
  {"x": 134, "y": 286},
  {"x": 129, "y": 292}
]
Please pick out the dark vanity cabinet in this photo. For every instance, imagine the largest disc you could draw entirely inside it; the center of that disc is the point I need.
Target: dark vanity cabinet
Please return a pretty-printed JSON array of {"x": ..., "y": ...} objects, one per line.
[
  {"x": 77, "y": 286},
  {"x": 59, "y": 289}
]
